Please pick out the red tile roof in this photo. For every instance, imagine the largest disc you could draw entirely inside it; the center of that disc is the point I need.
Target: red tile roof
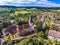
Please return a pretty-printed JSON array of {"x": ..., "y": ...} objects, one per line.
[
  {"x": 54, "y": 33},
  {"x": 11, "y": 29},
  {"x": 26, "y": 26},
  {"x": 22, "y": 29}
]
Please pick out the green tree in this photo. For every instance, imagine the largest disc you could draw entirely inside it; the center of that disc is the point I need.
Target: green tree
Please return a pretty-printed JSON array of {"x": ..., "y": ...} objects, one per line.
[
  {"x": 54, "y": 27},
  {"x": 38, "y": 25},
  {"x": 40, "y": 34}
]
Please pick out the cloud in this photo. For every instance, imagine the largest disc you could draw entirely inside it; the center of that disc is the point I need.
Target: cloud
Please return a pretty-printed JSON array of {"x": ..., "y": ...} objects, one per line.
[
  {"x": 18, "y": 1},
  {"x": 43, "y": 3}
]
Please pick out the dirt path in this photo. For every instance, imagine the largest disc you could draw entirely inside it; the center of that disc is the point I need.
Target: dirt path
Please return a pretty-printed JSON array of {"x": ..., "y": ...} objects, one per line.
[{"x": 21, "y": 38}]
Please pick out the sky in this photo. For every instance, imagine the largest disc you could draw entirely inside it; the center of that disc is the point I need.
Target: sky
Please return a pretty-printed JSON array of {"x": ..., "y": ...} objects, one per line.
[{"x": 41, "y": 3}]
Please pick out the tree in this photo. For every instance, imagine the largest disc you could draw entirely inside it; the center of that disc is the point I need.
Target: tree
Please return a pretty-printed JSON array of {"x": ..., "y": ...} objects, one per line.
[
  {"x": 40, "y": 34},
  {"x": 35, "y": 41},
  {"x": 38, "y": 25},
  {"x": 8, "y": 42},
  {"x": 54, "y": 42},
  {"x": 4, "y": 24},
  {"x": 54, "y": 27},
  {"x": 24, "y": 42},
  {"x": 30, "y": 43}
]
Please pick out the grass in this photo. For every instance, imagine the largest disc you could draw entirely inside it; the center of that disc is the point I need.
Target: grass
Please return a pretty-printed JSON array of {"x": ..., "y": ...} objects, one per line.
[
  {"x": 56, "y": 10},
  {"x": 16, "y": 35},
  {"x": 21, "y": 12},
  {"x": 6, "y": 37}
]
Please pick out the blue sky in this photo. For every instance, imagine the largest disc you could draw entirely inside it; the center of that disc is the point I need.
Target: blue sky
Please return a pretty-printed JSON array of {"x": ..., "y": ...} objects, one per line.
[
  {"x": 41, "y": 3},
  {"x": 55, "y": 1}
]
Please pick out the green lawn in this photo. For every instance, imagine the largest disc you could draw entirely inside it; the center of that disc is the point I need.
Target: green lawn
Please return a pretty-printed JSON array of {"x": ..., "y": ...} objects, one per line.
[
  {"x": 6, "y": 37},
  {"x": 21, "y": 12},
  {"x": 16, "y": 35},
  {"x": 57, "y": 10}
]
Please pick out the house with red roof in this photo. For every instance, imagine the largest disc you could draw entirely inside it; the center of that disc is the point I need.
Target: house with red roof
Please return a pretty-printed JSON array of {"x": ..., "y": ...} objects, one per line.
[
  {"x": 21, "y": 30},
  {"x": 54, "y": 35}
]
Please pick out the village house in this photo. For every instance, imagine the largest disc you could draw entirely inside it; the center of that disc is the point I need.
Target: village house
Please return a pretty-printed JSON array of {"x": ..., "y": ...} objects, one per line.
[
  {"x": 54, "y": 35},
  {"x": 21, "y": 30}
]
